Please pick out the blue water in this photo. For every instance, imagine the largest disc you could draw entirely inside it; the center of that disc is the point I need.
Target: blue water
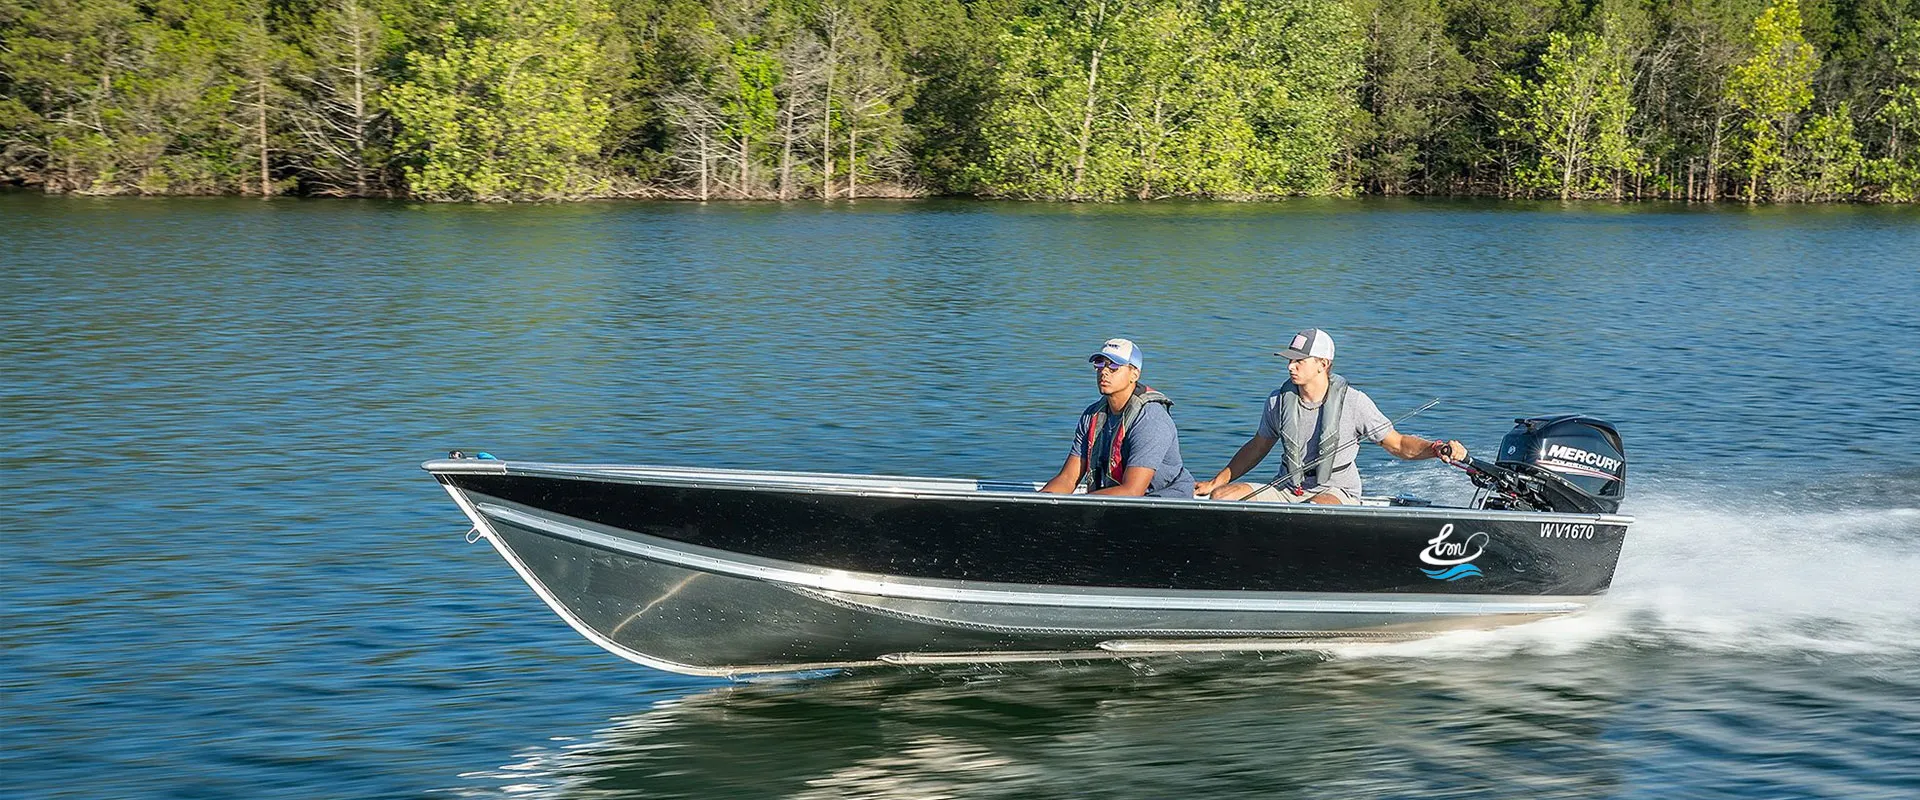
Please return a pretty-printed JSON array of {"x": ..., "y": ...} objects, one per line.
[{"x": 224, "y": 575}]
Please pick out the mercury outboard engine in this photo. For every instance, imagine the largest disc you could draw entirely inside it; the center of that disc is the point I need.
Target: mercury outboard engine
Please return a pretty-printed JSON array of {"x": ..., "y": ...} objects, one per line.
[{"x": 1570, "y": 463}]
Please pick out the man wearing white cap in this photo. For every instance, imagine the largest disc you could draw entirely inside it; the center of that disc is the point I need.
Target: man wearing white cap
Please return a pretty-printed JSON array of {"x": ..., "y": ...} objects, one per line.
[
  {"x": 1126, "y": 444},
  {"x": 1319, "y": 421}
]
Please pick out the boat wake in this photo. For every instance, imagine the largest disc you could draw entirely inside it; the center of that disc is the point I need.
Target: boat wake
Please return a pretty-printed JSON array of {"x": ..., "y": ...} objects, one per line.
[{"x": 1704, "y": 570}]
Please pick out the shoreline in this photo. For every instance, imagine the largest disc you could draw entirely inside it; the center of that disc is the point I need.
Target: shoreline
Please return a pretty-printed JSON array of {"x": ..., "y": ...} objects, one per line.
[{"x": 20, "y": 188}]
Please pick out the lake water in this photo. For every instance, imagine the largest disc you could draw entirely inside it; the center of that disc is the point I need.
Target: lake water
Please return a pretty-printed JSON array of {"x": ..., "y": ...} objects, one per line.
[{"x": 224, "y": 575}]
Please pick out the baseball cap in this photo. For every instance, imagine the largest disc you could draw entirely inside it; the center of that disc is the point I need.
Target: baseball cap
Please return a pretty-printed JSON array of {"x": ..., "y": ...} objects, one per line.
[
  {"x": 1310, "y": 343},
  {"x": 1120, "y": 351}
]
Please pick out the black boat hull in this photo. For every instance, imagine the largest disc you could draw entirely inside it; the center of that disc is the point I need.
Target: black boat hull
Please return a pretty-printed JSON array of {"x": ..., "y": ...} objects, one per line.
[{"x": 715, "y": 572}]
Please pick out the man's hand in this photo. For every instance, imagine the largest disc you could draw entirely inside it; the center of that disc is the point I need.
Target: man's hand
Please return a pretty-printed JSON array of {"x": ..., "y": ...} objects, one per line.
[
  {"x": 1068, "y": 479},
  {"x": 1450, "y": 451},
  {"x": 1244, "y": 459}
]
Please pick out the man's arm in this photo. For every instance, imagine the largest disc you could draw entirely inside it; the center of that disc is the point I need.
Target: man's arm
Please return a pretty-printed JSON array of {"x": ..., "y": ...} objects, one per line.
[
  {"x": 1414, "y": 448},
  {"x": 1248, "y": 457},
  {"x": 1133, "y": 483},
  {"x": 1069, "y": 477}
]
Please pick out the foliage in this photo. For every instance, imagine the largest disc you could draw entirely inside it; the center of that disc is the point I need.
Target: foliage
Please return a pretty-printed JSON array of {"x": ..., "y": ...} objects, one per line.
[
  {"x": 1575, "y": 118},
  {"x": 111, "y": 98},
  {"x": 344, "y": 136},
  {"x": 1825, "y": 159},
  {"x": 502, "y": 104},
  {"x": 1155, "y": 98},
  {"x": 1411, "y": 92},
  {"x": 1771, "y": 88},
  {"x": 1897, "y": 172},
  {"x": 1780, "y": 100}
]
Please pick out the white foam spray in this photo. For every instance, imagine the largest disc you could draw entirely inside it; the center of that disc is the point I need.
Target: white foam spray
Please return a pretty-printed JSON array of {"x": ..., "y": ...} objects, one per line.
[{"x": 1708, "y": 569}]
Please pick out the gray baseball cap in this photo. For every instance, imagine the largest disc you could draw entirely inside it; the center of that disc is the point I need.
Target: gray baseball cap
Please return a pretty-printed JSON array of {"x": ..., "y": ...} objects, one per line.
[{"x": 1310, "y": 343}]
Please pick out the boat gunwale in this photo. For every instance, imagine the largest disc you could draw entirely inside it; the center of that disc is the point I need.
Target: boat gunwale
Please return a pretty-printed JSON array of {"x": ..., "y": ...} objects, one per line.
[{"x": 916, "y": 488}]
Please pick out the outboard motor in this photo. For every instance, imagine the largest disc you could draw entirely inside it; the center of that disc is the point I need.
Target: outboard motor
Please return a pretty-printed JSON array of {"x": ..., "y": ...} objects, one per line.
[{"x": 1570, "y": 463}]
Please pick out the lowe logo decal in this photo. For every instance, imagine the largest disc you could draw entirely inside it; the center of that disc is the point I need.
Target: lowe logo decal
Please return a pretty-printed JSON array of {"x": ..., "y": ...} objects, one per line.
[
  {"x": 1579, "y": 456},
  {"x": 1454, "y": 559}
]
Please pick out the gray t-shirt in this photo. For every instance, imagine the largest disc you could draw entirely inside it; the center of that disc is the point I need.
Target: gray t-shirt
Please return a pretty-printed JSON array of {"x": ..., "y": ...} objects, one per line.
[
  {"x": 1153, "y": 442},
  {"x": 1360, "y": 420}
]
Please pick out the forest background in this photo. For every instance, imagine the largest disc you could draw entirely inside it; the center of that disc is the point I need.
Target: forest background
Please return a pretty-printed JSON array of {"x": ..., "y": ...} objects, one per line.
[{"x": 1755, "y": 100}]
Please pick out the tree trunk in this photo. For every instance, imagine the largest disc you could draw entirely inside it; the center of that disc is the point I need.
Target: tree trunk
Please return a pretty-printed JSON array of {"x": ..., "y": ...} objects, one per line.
[
  {"x": 744, "y": 163},
  {"x": 359, "y": 102},
  {"x": 853, "y": 157},
  {"x": 1151, "y": 155},
  {"x": 1572, "y": 134},
  {"x": 703, "y": 166},
  {"x": 1566, "y": 172},
  {"x": 1086, "y": 123},
  {"x": 1713, "y": 160},
  {"x": 786, "y": 151},
  {"x": 1086, "y": 116},
  {"x": 826, "y": 123},
  {"x": 260, "y": 120}
]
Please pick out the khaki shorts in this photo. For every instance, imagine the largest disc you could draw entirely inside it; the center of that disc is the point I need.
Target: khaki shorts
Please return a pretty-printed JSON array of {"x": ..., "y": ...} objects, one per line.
[{"x": 1274, "y": 494}]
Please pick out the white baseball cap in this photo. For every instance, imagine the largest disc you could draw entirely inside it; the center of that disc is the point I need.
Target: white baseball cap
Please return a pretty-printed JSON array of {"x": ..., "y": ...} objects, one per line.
[
  {"x": 1310, "y": 343},
  {"x": 1119, "y": 351}
]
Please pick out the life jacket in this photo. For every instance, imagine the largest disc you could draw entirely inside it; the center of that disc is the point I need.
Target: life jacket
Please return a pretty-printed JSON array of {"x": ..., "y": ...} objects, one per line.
[
  {"x": 1294, "y": 447},
  {"x": 1104, "y": 468}
]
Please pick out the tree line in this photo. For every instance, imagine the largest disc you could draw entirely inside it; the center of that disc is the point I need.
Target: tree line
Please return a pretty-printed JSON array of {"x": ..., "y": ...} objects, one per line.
[{"x": 1756, "y": 100}]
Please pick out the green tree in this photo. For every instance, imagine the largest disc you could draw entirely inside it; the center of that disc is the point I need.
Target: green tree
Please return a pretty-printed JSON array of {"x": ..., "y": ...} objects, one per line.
[
  {"x": 1824, "y": 161},
  {"x": 1174, "y": 86},
  {"x": 1171, "y": 97},
  {"x": 1897, "y": 172},
  {"x": 1576, "y": 117},
  {"x": 949, "y": 48},
  {"x": 1410, "y": 95},
  {"x": 504, "y": 104},
  {"x": 343, "y": 134},
  {"x": 1048, "y": 106},
  {"x": 116, "y": 98},
  {"x": 749, "y": 106},
  {"x": 1498, "y": 39},
  {"x": 258, "y": 58},
  {"x": 1307, "y": 55},
  {"x": 1771, "y": 88},
  {"x": 61, "y": 62}
]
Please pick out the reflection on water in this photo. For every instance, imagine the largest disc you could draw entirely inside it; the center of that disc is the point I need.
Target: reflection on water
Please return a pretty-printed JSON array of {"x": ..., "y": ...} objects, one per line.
[{"x": 1619, "y": 721}]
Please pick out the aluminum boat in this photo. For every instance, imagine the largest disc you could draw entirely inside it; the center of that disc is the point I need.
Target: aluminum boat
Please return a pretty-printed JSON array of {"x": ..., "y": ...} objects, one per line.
[{"x": 731, "y": 572}]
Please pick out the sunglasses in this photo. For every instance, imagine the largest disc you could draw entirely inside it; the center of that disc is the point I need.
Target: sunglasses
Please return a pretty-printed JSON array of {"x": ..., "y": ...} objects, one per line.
[{"x": 1105, "y": 364}]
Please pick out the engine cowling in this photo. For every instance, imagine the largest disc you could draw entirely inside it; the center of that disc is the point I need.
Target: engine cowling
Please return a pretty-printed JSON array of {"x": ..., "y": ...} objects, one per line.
[{"x": 1569, "y": 463}]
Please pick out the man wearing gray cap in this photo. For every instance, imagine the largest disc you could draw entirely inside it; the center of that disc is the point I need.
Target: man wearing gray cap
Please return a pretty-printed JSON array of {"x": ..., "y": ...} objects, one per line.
[
  {"x": 1319, "y": 421},
  {"x": 1126, "y": 444}
]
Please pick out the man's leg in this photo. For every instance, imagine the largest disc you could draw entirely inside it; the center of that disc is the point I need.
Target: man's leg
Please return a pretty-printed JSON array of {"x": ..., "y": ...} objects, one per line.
[
  {"x": 1333, "y": 496},
  {"x": 1233, "y": 491},
  {"x": 1274, "y": 494}
]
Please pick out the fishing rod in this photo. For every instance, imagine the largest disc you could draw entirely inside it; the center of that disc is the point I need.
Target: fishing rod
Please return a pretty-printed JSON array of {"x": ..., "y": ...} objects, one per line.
[{"x": 1355, "y": 443}]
